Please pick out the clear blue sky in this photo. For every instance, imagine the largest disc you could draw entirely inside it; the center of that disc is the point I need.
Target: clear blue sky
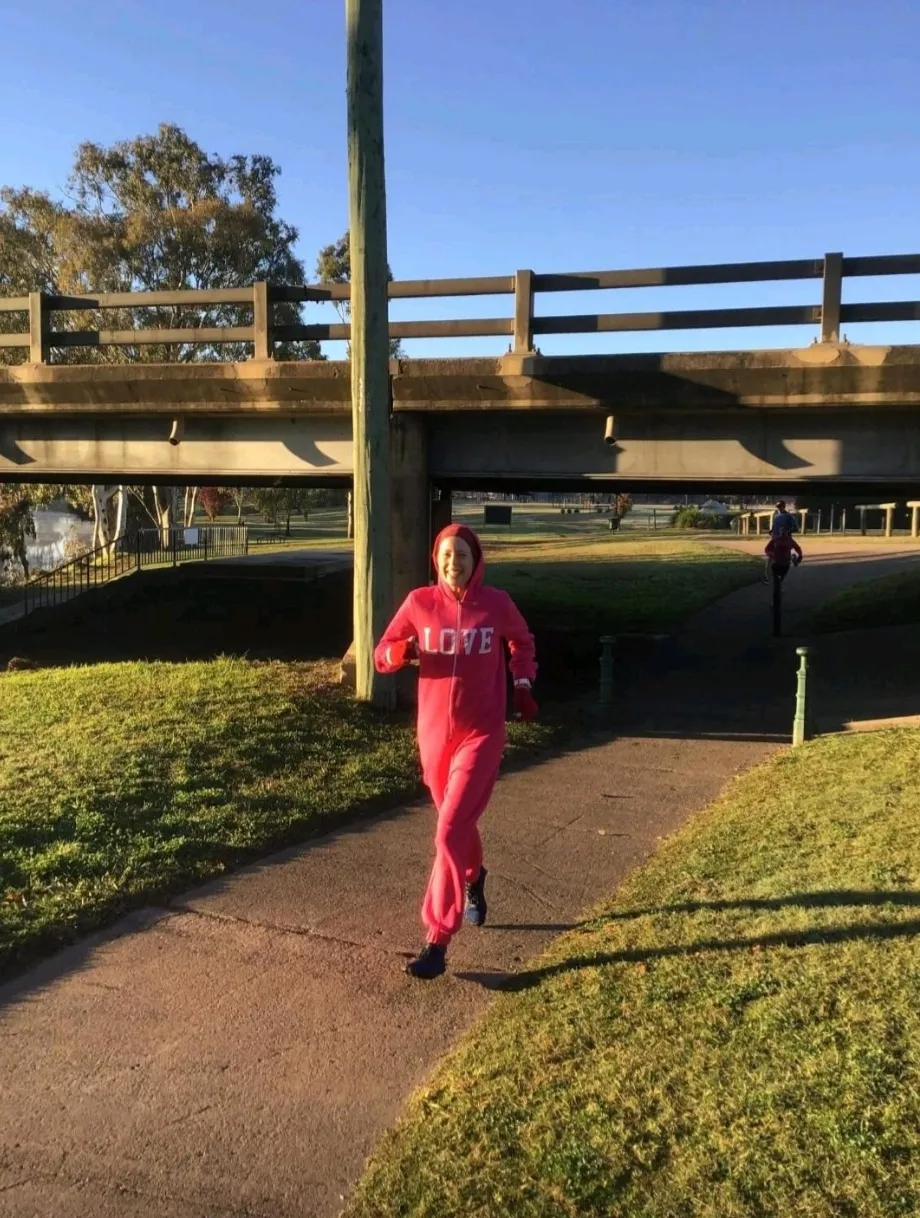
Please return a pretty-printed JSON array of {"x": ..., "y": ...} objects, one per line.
[{"x": 552, "y": 134}]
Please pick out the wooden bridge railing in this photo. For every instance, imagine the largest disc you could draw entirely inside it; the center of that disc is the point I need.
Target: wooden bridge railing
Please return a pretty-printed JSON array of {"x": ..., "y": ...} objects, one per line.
[{"x": 522, "y": 328}]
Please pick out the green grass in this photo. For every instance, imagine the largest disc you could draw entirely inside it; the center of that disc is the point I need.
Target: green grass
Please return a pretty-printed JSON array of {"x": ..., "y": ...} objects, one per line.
[
  {"x": 298, "y": 543},
  {"x": 616, "y": 584},
  {"x": 892, "y": 600},
  {"x": 322, "y": 526},
  {"x": 123, "y": 783},
  {"x": 736, "y": 1034},
  {"x": 538, "y": 523}
]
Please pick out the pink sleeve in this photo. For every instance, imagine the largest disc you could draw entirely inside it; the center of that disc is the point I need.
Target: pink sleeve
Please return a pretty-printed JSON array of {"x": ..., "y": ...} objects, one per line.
[
  {"x": 520, "y": 643},
  {"x": 401, "y": 627}
]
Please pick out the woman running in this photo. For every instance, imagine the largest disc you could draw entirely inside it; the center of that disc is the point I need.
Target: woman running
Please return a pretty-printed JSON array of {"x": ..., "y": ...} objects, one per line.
[{"x": 455, "y": 629}]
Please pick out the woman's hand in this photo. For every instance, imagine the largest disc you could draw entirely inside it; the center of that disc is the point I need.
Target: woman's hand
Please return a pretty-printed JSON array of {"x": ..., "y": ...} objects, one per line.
[
  {"x": 402, "y": 652},
  {"x": 525, "y": 708}
]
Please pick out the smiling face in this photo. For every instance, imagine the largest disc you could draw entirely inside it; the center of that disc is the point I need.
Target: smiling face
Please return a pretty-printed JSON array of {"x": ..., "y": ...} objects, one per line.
[{"x": 455, "y": 563}]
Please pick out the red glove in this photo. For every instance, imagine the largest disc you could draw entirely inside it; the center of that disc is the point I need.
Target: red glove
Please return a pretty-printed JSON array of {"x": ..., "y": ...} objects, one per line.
[
  {"x": 400, "y": 653},
  {"x": 524, "y": 706}
]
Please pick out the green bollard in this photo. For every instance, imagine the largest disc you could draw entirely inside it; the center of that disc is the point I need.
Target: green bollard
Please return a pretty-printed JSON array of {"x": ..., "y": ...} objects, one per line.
[
  {"x": 606, "y": 689},
  {"x": 798, "y": 724}
]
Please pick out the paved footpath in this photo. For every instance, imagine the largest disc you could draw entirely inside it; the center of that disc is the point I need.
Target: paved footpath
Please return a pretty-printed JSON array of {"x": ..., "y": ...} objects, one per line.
[{"x": 239, "y": 1051}]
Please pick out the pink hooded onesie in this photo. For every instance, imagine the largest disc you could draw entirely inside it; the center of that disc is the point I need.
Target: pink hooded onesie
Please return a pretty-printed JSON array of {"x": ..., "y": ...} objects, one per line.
[{"x": 461, "y": 715}]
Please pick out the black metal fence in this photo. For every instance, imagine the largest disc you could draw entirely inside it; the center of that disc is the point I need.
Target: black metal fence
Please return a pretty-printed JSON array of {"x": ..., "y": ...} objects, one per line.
[
  {"x": 144, "y": 548},
  {"x": 90, "y": 570},
  {"x": 161, "y": 547}
]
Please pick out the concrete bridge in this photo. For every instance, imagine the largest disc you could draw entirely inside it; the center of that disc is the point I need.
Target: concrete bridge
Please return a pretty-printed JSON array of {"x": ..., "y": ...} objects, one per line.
[
  {"x": 831, "y": 413},
  {"x": 835, "y": 413}
]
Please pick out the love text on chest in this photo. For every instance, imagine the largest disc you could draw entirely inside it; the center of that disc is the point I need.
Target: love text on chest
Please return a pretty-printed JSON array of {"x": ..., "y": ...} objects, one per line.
[{"x": 472, "y": 640}]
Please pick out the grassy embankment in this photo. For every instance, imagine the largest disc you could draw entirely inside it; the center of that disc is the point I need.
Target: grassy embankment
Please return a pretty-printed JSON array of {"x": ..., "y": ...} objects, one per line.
[
  {"x": 892, "y": 600},
  {"x": 735, "y": 1034}
]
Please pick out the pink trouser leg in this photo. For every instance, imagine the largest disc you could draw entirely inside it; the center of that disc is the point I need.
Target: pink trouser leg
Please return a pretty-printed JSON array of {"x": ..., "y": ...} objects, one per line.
[{"x": 461, "y": 785}]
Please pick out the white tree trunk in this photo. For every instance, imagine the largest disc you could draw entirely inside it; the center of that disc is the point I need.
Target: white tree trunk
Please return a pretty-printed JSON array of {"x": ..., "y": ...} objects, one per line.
[
  {"x": 110, "y": 515},
  {"x": 191, "y": 502},
  {"x": 166, "y": 498},
  {"x": 121, "y": 512},
  {"x": 101, "y": 497}
]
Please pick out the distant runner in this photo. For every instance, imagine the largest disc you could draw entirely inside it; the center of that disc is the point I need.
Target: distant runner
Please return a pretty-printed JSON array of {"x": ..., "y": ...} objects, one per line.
[{"x": 783, "y": 520}]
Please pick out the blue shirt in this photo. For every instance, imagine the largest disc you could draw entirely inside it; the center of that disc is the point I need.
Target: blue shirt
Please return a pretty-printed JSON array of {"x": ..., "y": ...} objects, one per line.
[{"x": 783, "y": 520}]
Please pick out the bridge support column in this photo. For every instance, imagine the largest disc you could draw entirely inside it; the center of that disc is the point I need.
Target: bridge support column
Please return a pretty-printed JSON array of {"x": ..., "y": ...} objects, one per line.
[
  {"x": 411, "y": 504},
  {"x": 442, "y": 513},
  {"x": 411, "y": 512}
]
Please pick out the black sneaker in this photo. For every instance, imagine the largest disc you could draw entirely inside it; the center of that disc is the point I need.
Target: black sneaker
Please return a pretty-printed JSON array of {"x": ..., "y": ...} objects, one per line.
[
  {"x": 429, "y": 963},
  {"x": 476, "y": 907}
]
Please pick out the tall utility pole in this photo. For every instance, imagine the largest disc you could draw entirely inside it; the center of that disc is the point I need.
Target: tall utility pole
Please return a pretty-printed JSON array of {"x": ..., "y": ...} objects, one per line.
[{"x": 370, "y": 354}]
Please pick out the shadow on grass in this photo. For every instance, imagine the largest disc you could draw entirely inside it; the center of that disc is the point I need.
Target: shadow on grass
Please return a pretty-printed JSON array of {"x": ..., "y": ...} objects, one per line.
[
  {"x": 821, "y": 936},
  {"x": 801, "y": 900}
]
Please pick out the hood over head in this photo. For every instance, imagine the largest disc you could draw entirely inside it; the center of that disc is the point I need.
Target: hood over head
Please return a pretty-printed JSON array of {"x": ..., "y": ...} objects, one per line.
[{"x": 465, "y": 534}]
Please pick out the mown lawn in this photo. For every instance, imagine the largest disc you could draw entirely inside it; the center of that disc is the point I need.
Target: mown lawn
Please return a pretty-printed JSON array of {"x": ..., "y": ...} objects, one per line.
[
  {"x": 122, "y": 783},
  {"x": 891, "y": 600},
  {"x": 735, "y": 1034},
  {"x": 616, "y": 586}
]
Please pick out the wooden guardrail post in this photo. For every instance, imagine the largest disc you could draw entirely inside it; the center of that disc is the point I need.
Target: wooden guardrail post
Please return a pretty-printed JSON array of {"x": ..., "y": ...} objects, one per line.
[
  {"x": 888, "y": 509},
  {"x": 38, "y": 330},
  {"x": 261, "y": 322},
  {"x": 832, "y": 298},
  {"x": 523, "y": 313}
]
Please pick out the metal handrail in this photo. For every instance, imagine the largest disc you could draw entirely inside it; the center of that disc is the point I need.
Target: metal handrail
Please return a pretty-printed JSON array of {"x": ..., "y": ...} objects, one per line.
[
  {"x": 143, "y": 548},
  {"x": 262, "y": 333},
  {"x": 77, "y": 575}
]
